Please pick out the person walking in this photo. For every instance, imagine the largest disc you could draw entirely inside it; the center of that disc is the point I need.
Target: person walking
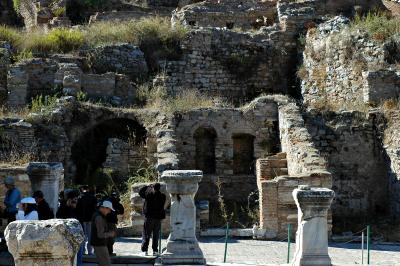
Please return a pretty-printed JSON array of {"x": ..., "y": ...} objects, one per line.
[
  {"x": 101, "y": 232},
  {"x": 13, "y": 197},
  {"x": 154, "y": 212},
  {"x": 27, "y": 210},
  {"x": 85, "y": 209},
  {"x": 43, "y": 208}
]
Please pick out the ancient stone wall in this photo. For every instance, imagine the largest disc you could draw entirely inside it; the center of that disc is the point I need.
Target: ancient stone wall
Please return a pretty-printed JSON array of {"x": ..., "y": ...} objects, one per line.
[
  {"x": 29, "y": 79},
  {"x": 230, "y": 64},
  {"x": 227, "y": 13},
  {"x": 391, "y": 145},
  {"x": 5, "y": 61},
  {"x": 225, "y": 143},
  {"x": 125, "y": 157},
  {"x": 351, "y": 142},
  {"x": 346, "y": 68}
]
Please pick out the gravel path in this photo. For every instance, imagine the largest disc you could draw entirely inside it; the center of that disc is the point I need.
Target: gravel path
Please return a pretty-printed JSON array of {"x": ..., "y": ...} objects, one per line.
[{"x": 255, "y": 252}]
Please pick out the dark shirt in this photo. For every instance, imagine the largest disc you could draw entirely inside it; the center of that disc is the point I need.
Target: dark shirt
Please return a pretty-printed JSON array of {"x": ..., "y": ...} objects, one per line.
[
  {"x": 100, "y": 230},
  {"x": 112, "y": 217},
  {"x": 44, "y": 211},
  {"x": 86, "y": 207},
  {"x": 66, "y": 212},
  {"x": 153, "y": 206}
]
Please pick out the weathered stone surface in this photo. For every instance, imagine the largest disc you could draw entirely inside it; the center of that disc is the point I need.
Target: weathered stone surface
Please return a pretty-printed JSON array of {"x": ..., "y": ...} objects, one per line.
[
  {"x": 49, "y": 178},
  {"x": 120, "y": 58},
  {"x": 182, "y": 245},
  {"x": 312, "y": 237},
  {"x": 44, "y": 243}
]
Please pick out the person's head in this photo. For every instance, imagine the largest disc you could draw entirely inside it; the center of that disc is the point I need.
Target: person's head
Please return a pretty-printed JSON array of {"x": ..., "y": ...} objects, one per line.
[
  {"x": 9, "y": 182},
  {"x": 38, "y": 196},
  {"x": 28, "y": 204},
  {"x": 106, "y": 207},
  {"x": 157, "y": 187},
  {"x": 72, "y": 198}
]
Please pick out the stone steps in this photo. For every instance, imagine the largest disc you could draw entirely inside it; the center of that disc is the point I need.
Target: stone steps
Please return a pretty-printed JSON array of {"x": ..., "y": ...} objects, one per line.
[{"x": 272, "y": 166}]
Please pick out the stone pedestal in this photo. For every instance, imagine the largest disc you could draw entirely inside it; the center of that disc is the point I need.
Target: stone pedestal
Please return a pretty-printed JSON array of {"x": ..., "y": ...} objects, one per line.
[
  {"x": 49, "y": 178},
  {"x": 312, "y": 233},
  {"x": 182, "y": 245},
  {"x": 44, "y": 243}
]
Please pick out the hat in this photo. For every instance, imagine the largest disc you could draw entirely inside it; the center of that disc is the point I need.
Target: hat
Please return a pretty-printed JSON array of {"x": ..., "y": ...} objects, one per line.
[
  {"x": 107, "y": 204},
  {"x": 9, "y": 180},
  {"x": 28, "y": 200}
]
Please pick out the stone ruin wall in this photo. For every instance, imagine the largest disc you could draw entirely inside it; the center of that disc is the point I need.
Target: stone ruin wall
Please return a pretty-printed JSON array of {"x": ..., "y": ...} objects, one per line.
[
  {"x": 350, "y": 69},
  {"x": 228, "y": 64},
  {"x": 300, "y": 163},
  {"x": 213, "y": 141},
  {"x": 351, "y": 142}
]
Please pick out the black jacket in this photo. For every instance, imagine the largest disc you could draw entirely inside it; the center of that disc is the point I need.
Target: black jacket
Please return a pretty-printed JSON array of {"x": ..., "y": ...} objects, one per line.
[
  {"x": 86, "y": 207},
  {"x": 154, "y": 203},
  {"x": 66, "y": 212},
  {"x": 44, "y": 211}
]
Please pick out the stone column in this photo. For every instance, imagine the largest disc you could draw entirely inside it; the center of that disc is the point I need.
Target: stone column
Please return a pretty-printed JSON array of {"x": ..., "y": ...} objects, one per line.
[
  {"x": 312, "y": 233},
  {"x": 44, "y": 243},
  {"x": 49, "y": 178},
  {"x": 182, "y": 245}
]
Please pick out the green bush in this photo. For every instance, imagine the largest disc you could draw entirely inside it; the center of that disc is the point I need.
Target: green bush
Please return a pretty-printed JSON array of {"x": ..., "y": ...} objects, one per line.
[
  {"x": 380, "y": 26},
  {"x": 59, "y": 12},
  {"x": 16, "y": 5},
  {"x": 10, "y": 35},
  {"x": 43, "y": 104}
]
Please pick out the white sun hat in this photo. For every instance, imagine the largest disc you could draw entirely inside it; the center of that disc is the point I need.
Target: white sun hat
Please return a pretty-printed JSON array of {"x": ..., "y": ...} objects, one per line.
[
  {"x": 107, "y": 204},
  {"x": 28, "y": 200}
]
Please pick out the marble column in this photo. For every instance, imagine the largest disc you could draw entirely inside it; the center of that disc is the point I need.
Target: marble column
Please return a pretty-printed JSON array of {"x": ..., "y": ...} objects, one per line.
[
  {"x": 182, "y": 246},
  {"x": 49, "y": 178},
  {"x": 312, "y": 233},
  {"x": 44, "y": 243}
]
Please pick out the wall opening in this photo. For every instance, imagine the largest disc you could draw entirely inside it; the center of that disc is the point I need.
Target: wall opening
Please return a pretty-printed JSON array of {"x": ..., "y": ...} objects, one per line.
[
  {"x": 243, "y": 154},
  {"x": 205, "y": 150},
  {"x": 89, "y": 152}
]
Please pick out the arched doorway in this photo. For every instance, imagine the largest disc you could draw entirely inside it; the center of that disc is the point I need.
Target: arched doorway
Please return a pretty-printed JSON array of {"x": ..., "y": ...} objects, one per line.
[{"x": 89, "y": 152}]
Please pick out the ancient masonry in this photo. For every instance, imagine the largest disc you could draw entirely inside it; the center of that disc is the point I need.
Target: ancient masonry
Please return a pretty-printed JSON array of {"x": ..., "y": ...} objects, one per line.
[{"x": 298, "y": 97}]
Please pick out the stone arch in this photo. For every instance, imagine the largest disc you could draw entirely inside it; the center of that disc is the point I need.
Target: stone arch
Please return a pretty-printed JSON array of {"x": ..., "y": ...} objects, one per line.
[
  {"x": 89, "y": 150},
  {"x": 205, "y": 142},
  {"x": 243, "y": 154}
]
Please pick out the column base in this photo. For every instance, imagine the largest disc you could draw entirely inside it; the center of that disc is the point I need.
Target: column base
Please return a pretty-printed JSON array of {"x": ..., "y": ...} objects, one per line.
[
  {"x": 313, "y": 260},
  {"x": 182, "y": 252}
]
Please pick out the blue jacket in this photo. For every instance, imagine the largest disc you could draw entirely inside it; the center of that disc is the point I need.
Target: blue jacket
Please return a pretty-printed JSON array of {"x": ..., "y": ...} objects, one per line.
[{"x": 13, "y": 197}]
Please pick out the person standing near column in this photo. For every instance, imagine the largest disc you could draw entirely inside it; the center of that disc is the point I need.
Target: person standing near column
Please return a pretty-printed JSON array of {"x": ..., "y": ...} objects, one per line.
[
  {"x": 13, "y": 197},
  {"x": 85, "y": 209},
  {"x": 154, "y": 212},
  {"x": 100, "y": 233}
]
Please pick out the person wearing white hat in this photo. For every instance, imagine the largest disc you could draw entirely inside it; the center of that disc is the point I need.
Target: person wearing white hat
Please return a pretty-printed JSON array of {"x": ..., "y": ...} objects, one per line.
[
  {"x": 100, "y": 233},
  {"x": 12, "y": 198},
  {"x": 27, "y": 210}
]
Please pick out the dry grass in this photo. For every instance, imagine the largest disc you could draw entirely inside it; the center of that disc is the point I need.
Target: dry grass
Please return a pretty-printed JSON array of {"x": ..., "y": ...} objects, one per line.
[
  {"x": 380, "y": 26},
  {"x": 143, "y": 32},
  {"x": 157, "y": 98},
  {"x": 14, "y": 113}
]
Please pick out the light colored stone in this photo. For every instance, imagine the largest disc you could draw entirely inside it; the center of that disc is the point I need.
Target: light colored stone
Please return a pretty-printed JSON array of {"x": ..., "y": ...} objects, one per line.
[
  {"x": 182, "y": 246},
  {"x": 49, "y": 178},
  {"x": 44, "y": 243},
  {"x": 312, "y": 237}
]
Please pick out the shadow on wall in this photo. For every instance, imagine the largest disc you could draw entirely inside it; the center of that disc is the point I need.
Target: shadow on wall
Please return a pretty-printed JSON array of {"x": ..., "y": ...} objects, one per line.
[
  {"x": 89, "y": 152},
  {"x": 351, "y": 144}
]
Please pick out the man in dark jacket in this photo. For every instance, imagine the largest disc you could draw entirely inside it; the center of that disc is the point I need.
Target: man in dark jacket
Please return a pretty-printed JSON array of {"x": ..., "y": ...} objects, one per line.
[
  {"x": 101, "y": 232},
  {"x": 154, "y": 212},
  {"x": 43, "y": 208},
  {"x": 112, "y": 218},
  {"x": 85, "y": 209}
]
